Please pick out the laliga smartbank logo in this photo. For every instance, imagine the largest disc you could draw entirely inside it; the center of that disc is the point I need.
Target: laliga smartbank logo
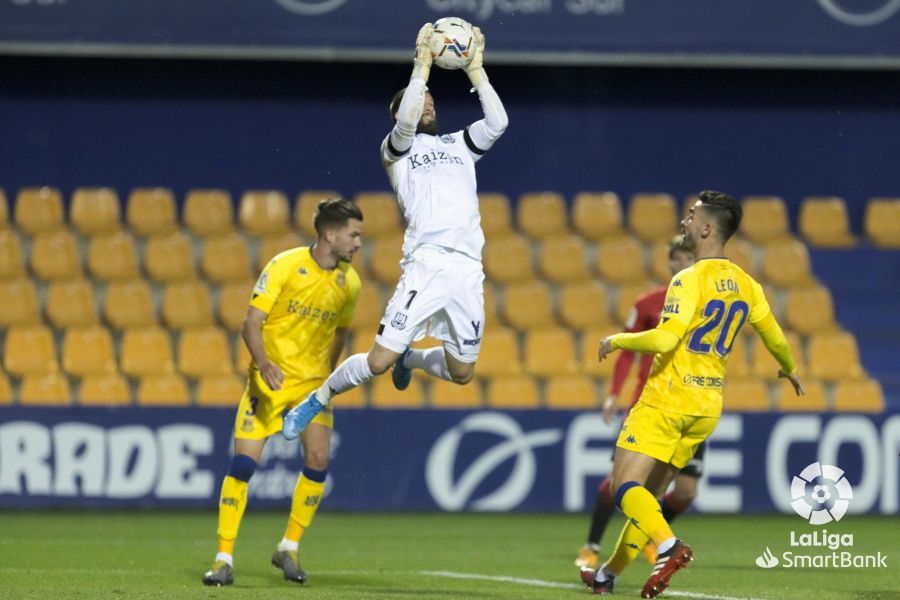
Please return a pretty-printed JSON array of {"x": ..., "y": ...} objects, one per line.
[{"x": 821, "y": 494}]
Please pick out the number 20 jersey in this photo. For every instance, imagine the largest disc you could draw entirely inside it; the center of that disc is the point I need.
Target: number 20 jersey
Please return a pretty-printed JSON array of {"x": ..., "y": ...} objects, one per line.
[{"x": 706, "y": 305}]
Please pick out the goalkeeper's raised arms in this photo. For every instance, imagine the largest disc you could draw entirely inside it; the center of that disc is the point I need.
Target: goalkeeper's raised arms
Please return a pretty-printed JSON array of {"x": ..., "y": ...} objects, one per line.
[
  {"x": 423, "y": 58},
  {"x": 475, "y": 68}
]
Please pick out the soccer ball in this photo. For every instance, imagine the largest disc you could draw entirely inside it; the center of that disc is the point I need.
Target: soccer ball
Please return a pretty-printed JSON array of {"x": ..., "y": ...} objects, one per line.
[{"x": 453, "y": 43}]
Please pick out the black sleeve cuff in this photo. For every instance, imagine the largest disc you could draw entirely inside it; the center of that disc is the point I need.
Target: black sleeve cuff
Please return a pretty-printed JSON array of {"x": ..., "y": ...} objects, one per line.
[
  {"x": 475, "y": 149},
  {"x": 394, "y": 151}
]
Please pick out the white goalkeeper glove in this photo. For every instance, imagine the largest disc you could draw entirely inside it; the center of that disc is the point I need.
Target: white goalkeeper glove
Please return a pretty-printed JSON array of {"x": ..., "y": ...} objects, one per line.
[
  {"x": 475, "y": 68},
  {"x": 422, "y": 61}
]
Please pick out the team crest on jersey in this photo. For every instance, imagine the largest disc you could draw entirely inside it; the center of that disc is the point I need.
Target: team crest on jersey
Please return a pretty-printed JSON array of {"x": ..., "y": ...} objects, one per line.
[
  {"x": 448, "y": 138},
  {"x": 341, "y": 279},
  {"x": 262, "y": 283},
  {"x": 399, "y": 321}
]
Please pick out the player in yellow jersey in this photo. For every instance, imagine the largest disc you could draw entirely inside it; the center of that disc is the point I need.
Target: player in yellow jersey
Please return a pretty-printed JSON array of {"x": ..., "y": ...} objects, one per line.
[
  {"x": 295, "y": 329},
  {"x": 706, "y": 305}
]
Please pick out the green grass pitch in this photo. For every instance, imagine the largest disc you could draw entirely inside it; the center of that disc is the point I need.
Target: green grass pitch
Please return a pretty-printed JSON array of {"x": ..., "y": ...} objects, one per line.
[{"x": 162, "y": 554}]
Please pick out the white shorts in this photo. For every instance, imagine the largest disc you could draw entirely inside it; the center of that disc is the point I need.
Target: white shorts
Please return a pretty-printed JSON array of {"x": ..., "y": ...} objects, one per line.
[{"x": 440, "y": 294}]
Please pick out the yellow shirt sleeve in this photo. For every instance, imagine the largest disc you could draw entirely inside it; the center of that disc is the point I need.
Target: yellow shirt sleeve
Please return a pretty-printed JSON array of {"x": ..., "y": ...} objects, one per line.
[
  {"x": 760, "y": 309},
  {"x": 354, "y": 285},
  {"x": 681, "y": 303},
  {"x": 269, "y": 285}
]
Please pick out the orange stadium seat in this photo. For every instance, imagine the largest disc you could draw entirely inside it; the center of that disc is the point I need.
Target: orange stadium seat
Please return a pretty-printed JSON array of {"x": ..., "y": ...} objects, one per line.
[
  {"x": 29, "y": 349},
  {"x": 12, "y": 264},
  {"x": 814, "y": 400},
  {"x": 272, "y": 245},
  {"x": 38, "y": 210},
  {"x": 369, "y": 309},
  {"x": 571, "y": 392},
  {"x": 740, "y": 252},
  {"x": 4, "y": 210},
  {"x": 381, "y": 214},
  {"x": 824, "y": 222},
  {"x": 881, "y": 223},
  {"x": 659, "y": 261},
  {"x": 584, "y": 304},
  {"x": 19, "y": 300},
  {"x": 45, "y": 389},
  {"x": 450, "y": 395},
  {"x": 169, "y": 257},
  {"x": 859, "y": 395},
  {"x": 220, "y": 390},
  {"x": 765, "y": 218},
  {"x": 151, "y": 211},
  {"x": 234, "y": 297},
  {"x": 587, "y": 352},
  {"x": 242, "y": 358},
  {"x": 550, "y": 351},
  {"x": 597, "y": 215},
  {"x": 621, "y": 260},
  {"x": 129, "y": 304},
  {"x": 112, "y": 256},
  {"x": 382, "y": 394},
  {"x": 203, "y": 351},
  {"x": 88, "y": 351},
  {"x": 746, "y": 395},
  {"x": 653, "y": 216},
  {"x": 55, "y": 255},
  {"x": 808, "y": 310},
  {"x": 507, "y": 258},
  {"x": 496, "y": 214},
  {"x": 528, "y": 305},
  {"x": 225, "y": 258},
  {"x": 186, "y": 304},
  {"x": 163, "y": 390},
  {"x": 499, "y": 354},
  {"x": 71, "y": 303},
  {"x": 540, "y": 214},
  {"x": 763, "y": 365},
  {"x": 208, "y": 212},
  {"x": 354, "y": 398},
  {"x": 146, "y": 351},
  {"x": 518, "y": 391},
  {"x": 738, "y": 362},
  {"x": 562, "y": 258},
  {"x": 95, "y": 210},
  {"x": 263, "y": 212},
  {"x": 834, "y": 355},
  {"x": 384, "y": 261},
  {"x": 305, "y": 210},
  {"x": 6, "y": 393},
  {"x": 786, "y": 263},
  {"x": 491, "y": 304},
  {"x": 104, "y": 390},
  {"x": 627, "y": 295}
]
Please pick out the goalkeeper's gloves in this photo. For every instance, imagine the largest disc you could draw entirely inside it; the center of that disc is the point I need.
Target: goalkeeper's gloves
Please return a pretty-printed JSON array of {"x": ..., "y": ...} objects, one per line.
[
  {"x": 422, "y": 61},
  {"x": 475, "y": 68}
]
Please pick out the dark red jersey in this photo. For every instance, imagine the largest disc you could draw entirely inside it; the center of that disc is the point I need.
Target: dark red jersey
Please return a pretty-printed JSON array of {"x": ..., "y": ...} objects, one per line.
[{"x": 644, "y": 315}]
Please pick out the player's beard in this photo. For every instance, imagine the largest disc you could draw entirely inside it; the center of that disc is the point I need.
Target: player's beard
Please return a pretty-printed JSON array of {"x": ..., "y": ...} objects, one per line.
[
  {"x": 431, "y": 127},
  {"x": 688, "y": 241}
]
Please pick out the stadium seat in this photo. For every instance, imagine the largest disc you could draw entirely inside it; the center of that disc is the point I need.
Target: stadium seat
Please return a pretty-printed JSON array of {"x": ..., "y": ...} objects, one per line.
[
  {"x": 597, "y": 215},
  {"x": 354, "y": 398},
  {"x": 499, "y": 354},
  {"x": 263, "y": 212},
  {"x": 271, "y": 246},
  {"x": 382, "y": 394},
  {"x": 571, "y": 392},
  {"x": 225, "y": 258},
  {"x": 305, "y": 210},
  {"x": 369, "y": 309},
  {"x": 220, "y": 390},
  {"x": 381, "y": 214},
  {"x": 528, "y": 305},
  {"x": 507, "y": 259},
  {"x": 496, "y": 214},
  {"x": 652, "y": 216},
  {"x": 234, "y": 297},
  {"x": 12, "y": 265},
  {"x": 824, "y": 222},
  {"x": 738, "y": 363},
  {"x": 550, "y": 351},
  {"x": 859, "y": 395},
  {"x": 71, "y": 303},
  {"x": 765, "y": 219},
  {"x": 208, "y": 212},
  {"x": 384, "y": 260},
  {"x": 741, "y": 253},
  {"x": 882, "y": 222},
  {"x": 834, "y": 355},
  {"x": 809, "y": 309},
  {"x": 19, "y": 300},
  {"x": 169, "y": 258},
  {"x": 491, "y": 304},
  {"x": 112, "y": 256},
  {"x": 95, "y": 210},
  {"x": 28, "y": 350},
  {"x": 659, "y": 261},
  {"x": 450, "y": 395},
  {"x": 786, "y": 263},
  {"x": 151, "y": 211},
  {"x": 55, "y": 255},
  {"x": 4, "y": 210},
  {"x": 128, "y": 304},
  {"x": 45, "y": 389},
  {"x": 186, "y": 304},
  {"x": 513, "y": 392},
  {"x": 203, "y": 351},
  {"x": 745, "y": 395},
  {"x": 562, "y": 258},
  {"x": 242, "y": 358},
  {"x": 621, "y": 260},
  {"x": 104, "y": 390},
  {"x": 146, "y": 351},
  {"x": 763, "y": 365},
  {"x": 627, "y": 295},
  {"x": 814, "y": 400},
  {"x": 38, "y": 210},
  {"x": 6, "y": 393},
  {"x": 584, "y": 304},
  {"x": 163, "y": 390},
  {"x": 88, "y": 351},
  {"x": 587, "y": 352},
  {"x": 540, "y": 214}
]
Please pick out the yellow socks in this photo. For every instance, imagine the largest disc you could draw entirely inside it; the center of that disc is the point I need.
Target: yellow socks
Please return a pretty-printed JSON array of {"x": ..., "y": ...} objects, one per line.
[
  {"x": 307, "y": 496},
  {"x": 631, "y": 540},
  {"x": 232, "y": 502},
  {"x": 643, "y": 510}
]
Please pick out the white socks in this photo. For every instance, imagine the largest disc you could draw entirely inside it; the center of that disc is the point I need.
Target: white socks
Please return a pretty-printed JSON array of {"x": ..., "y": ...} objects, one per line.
[
  {"x": 430, "y": 360},
  {"x": 352, "y": 372},
  {"x": 287, "y": 545},
  {"x": 666, "y": 545},
  {"x": 224, "y": 556}
]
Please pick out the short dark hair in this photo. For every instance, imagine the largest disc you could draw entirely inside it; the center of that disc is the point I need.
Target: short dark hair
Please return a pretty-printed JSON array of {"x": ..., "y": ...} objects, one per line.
[
  {"x": 395, "y": 103},
  {"x": 335, "y": 212},
  {"x": 724, "y": 209},
  {"x": 676, "y": 244}
]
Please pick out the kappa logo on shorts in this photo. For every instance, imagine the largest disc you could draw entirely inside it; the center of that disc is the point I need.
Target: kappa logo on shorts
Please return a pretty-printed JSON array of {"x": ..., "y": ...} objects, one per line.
[
  {"x": 399, "y": 321},
  {"x": 630, "y": 439}
]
